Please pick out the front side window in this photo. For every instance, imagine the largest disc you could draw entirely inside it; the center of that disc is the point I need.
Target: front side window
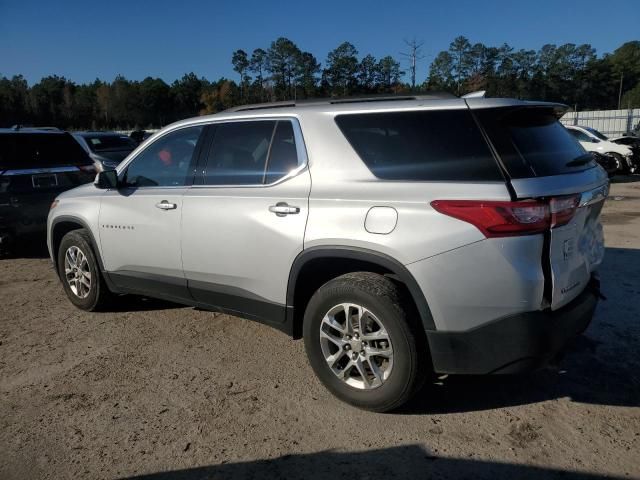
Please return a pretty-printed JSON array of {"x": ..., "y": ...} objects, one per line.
[
  {"x": 251, "y": 153},
  {"x": 164, "y": 163}
]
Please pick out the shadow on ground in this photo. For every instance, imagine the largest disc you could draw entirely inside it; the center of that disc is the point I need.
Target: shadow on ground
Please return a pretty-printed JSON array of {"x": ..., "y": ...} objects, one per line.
[
  {"x": 404, "y": 462},
  {"x": 600, "y": 367},
  {"x": 28, "y": 247},
  {"x": 625, "y": 178}
]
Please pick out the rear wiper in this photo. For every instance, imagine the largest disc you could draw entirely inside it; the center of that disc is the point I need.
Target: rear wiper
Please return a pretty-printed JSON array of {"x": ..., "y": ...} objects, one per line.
[{"x": 581, "y": 160}]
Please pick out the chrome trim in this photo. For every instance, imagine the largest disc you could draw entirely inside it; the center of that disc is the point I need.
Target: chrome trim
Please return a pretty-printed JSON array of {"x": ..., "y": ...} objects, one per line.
[
  {"x": 594, "y": 196},
  {"x": 36, "y": 171}
]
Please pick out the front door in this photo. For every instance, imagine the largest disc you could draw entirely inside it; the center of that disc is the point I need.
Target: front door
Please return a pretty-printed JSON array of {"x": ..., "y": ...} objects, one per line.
[
  {"x": 140, "y": 222},
  {"x": 244, "y": 218}
]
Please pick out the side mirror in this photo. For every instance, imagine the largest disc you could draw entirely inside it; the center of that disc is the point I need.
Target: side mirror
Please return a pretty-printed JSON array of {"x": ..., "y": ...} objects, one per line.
[
  {"x": 595, "y": 140},
  {"x": 106, "y": 179}
]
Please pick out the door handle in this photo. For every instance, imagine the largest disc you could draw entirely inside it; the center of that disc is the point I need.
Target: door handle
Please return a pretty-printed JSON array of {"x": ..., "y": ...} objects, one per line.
[
  {"x": 282, "y": 208},
  {"x": 164, "y": 205}
]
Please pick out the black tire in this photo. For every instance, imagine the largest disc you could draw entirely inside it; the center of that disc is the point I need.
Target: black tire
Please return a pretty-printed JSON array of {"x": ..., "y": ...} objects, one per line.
[
  {"x": 98, "y": 296},
  {"x": 623, "y": 168},
  {"x": 389, "y": 303}
]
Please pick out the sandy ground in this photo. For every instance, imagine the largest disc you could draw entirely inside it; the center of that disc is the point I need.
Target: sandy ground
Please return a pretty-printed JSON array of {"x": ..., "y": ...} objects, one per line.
[{"x": 158, "y": 391}]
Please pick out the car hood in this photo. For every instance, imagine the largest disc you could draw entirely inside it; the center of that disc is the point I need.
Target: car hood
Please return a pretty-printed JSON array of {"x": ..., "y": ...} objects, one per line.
[
  {"x": 86, "y": 190},
  {"x": 605, "y": 146}
]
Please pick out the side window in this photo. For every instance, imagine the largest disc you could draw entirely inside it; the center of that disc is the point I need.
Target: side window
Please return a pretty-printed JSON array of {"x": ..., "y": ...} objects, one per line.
[
  {"x": 284, "y": 156},
  {"x": 442, "y": 145},
  {"x": 164, "y": 163},
  {"x": 251, "y": 153}
]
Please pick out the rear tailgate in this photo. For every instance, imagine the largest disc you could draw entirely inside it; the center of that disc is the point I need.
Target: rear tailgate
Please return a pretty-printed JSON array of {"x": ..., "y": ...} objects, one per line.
[
  {"x": 543, "y": 161},
  {"x": 576, "y": 249}
]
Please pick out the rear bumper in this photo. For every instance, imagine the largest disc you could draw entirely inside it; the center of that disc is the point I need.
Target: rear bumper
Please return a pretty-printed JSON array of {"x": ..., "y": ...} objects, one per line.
[{"x": 515, "y": 344}]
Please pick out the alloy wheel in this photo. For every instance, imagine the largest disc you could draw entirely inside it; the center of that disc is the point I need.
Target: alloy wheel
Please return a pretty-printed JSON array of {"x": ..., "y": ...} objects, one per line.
[
  {"x": 77, "y": 272},
  {"x": 356, "y": 346}
]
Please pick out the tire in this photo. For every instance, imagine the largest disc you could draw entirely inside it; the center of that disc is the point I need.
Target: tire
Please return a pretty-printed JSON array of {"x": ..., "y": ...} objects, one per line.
[
  {"x": 385, "y": 307},
  {"x": 623, "y": 168},
  {"x": 94, "y": 296}
]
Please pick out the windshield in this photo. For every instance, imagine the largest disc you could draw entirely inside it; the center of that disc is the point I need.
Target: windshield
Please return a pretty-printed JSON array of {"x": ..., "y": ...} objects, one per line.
[
  {"x": 531, "y": 142},
  {"x": 103, "y": 143},
  {"x": 596, "y": 133}
]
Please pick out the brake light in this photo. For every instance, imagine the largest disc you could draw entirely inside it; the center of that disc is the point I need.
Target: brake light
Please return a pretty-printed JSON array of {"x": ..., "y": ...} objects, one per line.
[
  {"x": 562, "y": 209},
  {"x": 507, "y": 219}
]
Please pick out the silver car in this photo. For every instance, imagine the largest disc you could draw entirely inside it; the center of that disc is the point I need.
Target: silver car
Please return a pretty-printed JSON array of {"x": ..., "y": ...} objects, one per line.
[{"x": 401, "y": 238}]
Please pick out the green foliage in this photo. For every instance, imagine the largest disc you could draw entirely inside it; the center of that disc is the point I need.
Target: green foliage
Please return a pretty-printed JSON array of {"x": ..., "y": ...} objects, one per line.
[
  {"x": 342, "y": 67},
  {"x": 568, "y": 73}
]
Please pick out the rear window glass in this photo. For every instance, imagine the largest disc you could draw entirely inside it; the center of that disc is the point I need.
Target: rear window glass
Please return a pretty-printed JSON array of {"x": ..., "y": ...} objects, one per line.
[
  {"x": 34, "y": 150},
  {"x": 443, "y": 145},
  {"x": 531, "y": 142}
]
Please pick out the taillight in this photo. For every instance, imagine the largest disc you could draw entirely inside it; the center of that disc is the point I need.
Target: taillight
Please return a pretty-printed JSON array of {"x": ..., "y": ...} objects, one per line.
[
  {"x": 507, "y": 219},
  {"x": 562, "y": 209}
]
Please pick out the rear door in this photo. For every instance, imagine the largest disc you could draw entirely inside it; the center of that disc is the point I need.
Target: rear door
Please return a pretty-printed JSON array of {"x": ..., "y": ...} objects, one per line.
[
  {"x": 544, "y": 161},
  {"x": 244, "y": 218}
]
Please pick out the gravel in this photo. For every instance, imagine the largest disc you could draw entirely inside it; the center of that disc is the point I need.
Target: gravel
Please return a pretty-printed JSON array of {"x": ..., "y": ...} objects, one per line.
[{"x": 158, "y": 391}]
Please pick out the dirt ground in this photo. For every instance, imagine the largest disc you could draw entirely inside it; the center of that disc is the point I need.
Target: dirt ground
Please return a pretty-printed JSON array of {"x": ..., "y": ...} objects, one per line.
[{"x": 157, "y": 391}]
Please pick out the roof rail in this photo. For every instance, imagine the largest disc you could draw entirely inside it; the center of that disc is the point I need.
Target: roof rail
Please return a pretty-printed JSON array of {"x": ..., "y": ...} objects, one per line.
[
  {"x": 18, "y": 127},
  {"x": 341, "y": 100}
]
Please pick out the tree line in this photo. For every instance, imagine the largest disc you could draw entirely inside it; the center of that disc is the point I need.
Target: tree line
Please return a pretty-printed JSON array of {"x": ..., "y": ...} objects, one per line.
[{"x": 572, "y": 74}]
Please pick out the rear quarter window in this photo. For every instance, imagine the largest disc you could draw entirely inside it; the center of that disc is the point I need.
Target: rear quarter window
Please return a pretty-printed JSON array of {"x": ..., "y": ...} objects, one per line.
[
  {"x": 531, "y": 142},
  {"x": 443, "y": 145}
]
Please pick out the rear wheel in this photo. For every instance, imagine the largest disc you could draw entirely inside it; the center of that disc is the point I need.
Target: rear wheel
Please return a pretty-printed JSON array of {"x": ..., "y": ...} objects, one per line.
[
  {"x": 78, "y": 269},
  {"x": 361, "y": 341}
]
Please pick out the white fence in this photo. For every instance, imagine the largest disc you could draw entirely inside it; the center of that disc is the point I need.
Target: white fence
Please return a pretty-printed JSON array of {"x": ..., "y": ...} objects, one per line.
[{"x": 609, "y": 122}]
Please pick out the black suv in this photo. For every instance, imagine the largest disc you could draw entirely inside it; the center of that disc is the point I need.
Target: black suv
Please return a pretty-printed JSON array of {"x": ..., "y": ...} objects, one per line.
[{"x": 35, "y": 166}]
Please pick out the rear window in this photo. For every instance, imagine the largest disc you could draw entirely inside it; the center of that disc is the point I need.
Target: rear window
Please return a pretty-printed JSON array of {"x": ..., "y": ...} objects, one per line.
[
  {"x": 103, "y": 143},
  {"x": 531, "y": 142},
  {"x": 443, "y": 145},
  {"x": 40, "y": 150}
]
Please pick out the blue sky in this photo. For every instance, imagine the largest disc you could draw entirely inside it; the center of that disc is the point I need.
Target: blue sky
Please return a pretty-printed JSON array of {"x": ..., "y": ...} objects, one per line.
[{"x": 85, "y": 40}]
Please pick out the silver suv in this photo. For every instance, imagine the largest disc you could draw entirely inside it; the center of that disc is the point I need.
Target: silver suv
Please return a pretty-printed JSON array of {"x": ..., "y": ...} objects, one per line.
[{"x": 400, "y": 238}]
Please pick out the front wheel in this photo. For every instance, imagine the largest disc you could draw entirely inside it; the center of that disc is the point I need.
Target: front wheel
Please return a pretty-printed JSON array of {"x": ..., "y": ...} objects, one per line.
[
  {"x": 363, "y": 343},
  {"x": 78, "y": 269},
  {"x": 621, "y": 163}
]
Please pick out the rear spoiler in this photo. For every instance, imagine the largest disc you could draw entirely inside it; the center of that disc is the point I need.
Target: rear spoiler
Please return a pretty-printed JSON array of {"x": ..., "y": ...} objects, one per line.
[{"x": 476, "y": 102}]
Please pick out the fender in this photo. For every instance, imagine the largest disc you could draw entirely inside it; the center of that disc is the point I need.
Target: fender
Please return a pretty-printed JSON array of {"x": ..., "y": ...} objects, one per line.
[
  {"x": 96, "y": 250},
  {"x": 362, "y": 254}
]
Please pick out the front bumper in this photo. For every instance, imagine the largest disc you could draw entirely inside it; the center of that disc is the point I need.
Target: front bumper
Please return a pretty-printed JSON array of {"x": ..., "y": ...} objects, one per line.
[{"x": 514, "y": 344}]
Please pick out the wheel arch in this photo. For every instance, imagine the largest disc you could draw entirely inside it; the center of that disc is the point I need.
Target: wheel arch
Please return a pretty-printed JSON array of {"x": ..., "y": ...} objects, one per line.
[
  {"x": 315, "y": 266},
  {"x": 64, "y": 224}
]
